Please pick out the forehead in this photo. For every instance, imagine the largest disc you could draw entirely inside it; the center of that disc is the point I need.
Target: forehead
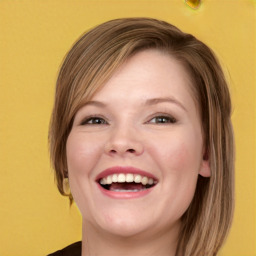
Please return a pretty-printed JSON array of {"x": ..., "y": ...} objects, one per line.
[{"x": 148, "y": 72}]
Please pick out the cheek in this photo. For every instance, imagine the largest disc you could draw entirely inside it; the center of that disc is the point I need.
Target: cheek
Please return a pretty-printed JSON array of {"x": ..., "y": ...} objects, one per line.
[
  {"x": 82, "y": 157},
  {"x": 180, "y": 155},
  {"x": 179, "y": 161},
  {"x": 81, "y": 154}
]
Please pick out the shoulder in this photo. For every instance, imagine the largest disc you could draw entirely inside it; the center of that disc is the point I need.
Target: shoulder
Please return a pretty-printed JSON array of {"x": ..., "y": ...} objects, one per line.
[{"x": 74, "y": 249}]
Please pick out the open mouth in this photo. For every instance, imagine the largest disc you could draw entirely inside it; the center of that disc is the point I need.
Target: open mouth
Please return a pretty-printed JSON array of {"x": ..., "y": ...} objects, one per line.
[{"x": 126, "y": 182}]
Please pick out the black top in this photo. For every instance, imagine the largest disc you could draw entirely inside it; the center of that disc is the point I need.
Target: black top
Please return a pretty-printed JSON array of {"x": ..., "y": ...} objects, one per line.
[{"x": 71, "y": 250}]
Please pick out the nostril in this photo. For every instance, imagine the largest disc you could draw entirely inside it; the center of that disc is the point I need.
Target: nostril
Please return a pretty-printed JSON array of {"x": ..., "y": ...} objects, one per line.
[
  {"x": 113, "y": 151},
  {"x": 131, "y": 150}
]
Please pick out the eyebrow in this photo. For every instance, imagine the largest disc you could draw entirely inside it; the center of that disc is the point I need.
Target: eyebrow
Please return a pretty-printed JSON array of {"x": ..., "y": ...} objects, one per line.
[
  {"x": 95, "y": 103},
  {"x": 152, "y": 101},
  {"x": 165, "y": 99}
]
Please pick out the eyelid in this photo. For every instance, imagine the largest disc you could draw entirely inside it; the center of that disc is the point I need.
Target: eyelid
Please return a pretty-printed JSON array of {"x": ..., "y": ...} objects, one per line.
[
  {"x": 164, "y": 115},
  {"x": 94, "y": 116}
]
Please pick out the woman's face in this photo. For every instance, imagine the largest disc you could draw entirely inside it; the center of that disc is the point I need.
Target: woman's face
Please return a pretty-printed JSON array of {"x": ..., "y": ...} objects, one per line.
[{"x": 142, "y": 127}]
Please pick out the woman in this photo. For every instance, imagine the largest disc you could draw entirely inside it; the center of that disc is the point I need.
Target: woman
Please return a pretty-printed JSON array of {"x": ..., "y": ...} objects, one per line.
[{"x": 141, "y": 132}]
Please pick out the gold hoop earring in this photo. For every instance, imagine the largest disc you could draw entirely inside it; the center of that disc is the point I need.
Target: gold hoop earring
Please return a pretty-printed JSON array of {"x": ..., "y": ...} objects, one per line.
[{"x": 66, "y": 187}]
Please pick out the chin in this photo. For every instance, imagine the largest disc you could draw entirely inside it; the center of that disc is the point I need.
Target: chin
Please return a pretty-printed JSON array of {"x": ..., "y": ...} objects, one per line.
[
  {"x": 123, "y": 223},
  {"x": 124, "y": 229}
]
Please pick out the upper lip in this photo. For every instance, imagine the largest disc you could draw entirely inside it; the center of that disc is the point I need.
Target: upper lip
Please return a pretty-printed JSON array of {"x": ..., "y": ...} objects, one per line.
[{"x": 125, "y": 170}]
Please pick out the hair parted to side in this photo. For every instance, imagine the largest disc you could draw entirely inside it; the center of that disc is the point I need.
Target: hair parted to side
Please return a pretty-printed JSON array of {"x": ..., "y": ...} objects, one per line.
[{"x": 92, "y": 61}]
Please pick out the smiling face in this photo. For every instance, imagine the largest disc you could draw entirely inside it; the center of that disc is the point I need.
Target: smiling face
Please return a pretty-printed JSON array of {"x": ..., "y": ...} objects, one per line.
[{"x": 135, "y": 150}]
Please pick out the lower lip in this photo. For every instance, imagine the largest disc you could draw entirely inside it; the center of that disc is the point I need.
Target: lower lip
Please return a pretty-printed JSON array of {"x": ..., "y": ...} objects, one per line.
[{"x": 124, "y": 195}]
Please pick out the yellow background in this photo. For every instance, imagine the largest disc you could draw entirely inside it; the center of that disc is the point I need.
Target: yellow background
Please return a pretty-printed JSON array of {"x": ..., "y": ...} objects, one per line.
[{"x": 34, "y": 37}]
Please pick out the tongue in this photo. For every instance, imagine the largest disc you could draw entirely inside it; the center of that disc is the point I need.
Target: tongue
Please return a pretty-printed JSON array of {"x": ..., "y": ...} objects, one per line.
[{"x": 126, "y": 186}]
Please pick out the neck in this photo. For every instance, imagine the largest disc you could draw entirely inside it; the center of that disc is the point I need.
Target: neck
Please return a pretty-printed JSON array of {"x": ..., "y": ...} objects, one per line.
[{"x": 95, "y": 243}]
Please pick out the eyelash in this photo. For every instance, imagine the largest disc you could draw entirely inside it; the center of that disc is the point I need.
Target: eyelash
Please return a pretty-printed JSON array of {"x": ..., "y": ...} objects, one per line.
[
  {"x": 97, "y": 120},
  {"x": 169, "y": 119},
  {"x": 91, "y": 121}
]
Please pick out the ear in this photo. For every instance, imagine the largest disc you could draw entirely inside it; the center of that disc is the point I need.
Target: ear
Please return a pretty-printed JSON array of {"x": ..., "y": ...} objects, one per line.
[{"x": 205, "y": 170}]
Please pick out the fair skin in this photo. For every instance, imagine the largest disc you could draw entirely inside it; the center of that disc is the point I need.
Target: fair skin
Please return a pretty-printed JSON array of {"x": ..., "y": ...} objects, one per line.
[{"x": 144, "y": 117}]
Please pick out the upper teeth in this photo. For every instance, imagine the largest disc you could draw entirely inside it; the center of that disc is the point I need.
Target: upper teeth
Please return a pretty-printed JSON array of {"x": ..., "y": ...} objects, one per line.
[{"x": 129, "y": 177}]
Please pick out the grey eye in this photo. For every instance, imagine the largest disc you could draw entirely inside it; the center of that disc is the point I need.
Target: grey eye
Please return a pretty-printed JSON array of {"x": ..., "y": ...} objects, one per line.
[
  {"x": 94, "y": 121},
  {"x": 163, "y": 120}
]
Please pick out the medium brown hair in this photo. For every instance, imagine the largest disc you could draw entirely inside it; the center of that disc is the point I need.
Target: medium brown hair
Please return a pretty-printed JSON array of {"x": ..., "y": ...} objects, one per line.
[{"x": 92, "y": 61}]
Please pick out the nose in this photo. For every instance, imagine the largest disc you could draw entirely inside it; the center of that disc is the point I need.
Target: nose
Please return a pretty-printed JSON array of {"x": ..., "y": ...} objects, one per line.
[{"x": 123, "y": 141}]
